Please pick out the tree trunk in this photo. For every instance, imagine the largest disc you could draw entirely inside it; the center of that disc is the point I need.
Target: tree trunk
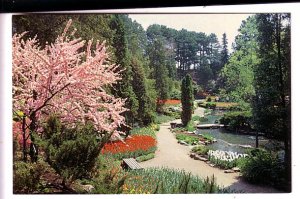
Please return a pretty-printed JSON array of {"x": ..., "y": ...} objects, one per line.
[
  {"x": 287, "y": 149},
  {"x": 24, "y": 138}
]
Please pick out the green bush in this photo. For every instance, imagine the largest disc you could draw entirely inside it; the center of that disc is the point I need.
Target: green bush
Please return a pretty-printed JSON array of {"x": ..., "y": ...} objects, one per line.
[
  {"x": 237, "y": 119},
  {"x": 27, "y": 176},
  {"x": 190, "y": 127},
  {"x": 188, "y": 139},
  {"x": 175, "y": 94},
  {"x": 263, "y": 167},
  {"x": 211, "y": 105},
  {"x": 145, "y": 157},
  {"x": 200, "y": 150},
  {"x": 72, "y": 153}
]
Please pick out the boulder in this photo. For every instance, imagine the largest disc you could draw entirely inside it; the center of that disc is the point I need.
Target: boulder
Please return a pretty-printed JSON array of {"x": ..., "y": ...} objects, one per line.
[
  {"x": 202, "y": 143},
  {"x": 212, "y": 165}
]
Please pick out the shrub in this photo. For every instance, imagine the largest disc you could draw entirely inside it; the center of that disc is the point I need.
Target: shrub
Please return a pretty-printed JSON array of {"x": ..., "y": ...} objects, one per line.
[
  {"x": 263, "y": 167},
  {"x": 71, "y": 152},
  {"x": 211, "y": 105},
  {"x": 175, "y": 94},
  {"x": 188, "y": 139},
  {"x": 27, "y": 176},
  {"x": 145, "y": 157},
  {"x": 237, "y": 119},
  {"x": 200, "y": 150}
]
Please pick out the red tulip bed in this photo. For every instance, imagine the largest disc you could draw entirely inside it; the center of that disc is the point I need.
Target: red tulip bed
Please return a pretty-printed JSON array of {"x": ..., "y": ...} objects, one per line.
[{"x": 133, "y": 146}]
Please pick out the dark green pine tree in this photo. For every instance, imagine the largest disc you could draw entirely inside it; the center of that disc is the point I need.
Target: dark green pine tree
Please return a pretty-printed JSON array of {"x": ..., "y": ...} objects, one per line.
[
  {"x": 187, "y": 99},
  {"x": 224, "y": 52},
  {"x": 124, "y": 88},
  {"x": 157, "y": 57}
]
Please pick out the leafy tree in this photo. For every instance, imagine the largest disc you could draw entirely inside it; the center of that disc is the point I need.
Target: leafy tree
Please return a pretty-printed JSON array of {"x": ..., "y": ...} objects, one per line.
[
  {"x": 187, "y": 100},
  {"x": 157, "y": 59},
  {"x": 60, "y": 80},
  {"x": 271, "y": 106},
  {"x": 238, "y": 73}
]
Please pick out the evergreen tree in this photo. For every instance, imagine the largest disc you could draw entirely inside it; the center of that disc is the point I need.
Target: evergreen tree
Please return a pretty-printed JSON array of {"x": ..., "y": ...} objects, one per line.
[
  {"x": 124, "y": 88},
  {"x": 187, "y": 99},
  {"x": 271, "y": 106},
  {"x": 224, "y": 52},
  {"x": 157, "y": 59}
]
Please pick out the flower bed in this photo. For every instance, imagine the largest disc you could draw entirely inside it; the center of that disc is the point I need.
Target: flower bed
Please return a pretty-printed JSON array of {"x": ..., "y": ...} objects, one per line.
[
  {"x": 169, "y": 102},
  {"x": 133, "y": 146},
  {"x": 224, "y": 159}
]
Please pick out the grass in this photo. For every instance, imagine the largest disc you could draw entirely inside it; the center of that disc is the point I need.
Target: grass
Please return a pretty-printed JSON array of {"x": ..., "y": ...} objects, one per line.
[
  {"x": 164, "y": 180},
  {"x": 159, "y": 119},
  {"x": 145, "y": 131}
]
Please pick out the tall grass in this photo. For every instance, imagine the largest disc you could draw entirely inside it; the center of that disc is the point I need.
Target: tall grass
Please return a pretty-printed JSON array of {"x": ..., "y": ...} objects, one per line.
[{"x": 165, "y": 180}]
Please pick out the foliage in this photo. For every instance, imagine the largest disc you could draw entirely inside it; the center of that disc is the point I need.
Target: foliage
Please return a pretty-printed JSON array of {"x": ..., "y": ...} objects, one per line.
[
  {"x": 272, "y": 82},
  {"x": 211, "y": 105},
  {"x": 191, "y": 140},
  {"x": 63, "y": 79},
  {"x": 133, "y": 146},
  {"x": 145, "y": 157},
  {"x": 150, "y": 131},
  {"x": 72, "y": 153},
  {"x": 263, "y": 167},
  {"x": 238, "y": 73},
  {"x": 160, "y": 119},
  {"x": 200, "y": 150},
  {"x": 237, "y": 119},
  {"x": 175, "y": 94},
  {"x": 187, "y": 100},
  {"x": 27, "y": 176},
  {"x": 190, "y": 126},
  {"x": 164, "y": 180}
]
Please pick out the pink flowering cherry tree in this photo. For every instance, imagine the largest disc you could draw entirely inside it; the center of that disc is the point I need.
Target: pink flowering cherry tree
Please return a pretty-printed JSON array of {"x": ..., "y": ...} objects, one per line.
[{"x": 65, "y": 79}]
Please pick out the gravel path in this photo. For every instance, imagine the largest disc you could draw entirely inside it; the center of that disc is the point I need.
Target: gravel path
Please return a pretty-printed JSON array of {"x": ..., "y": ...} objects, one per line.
[{"x": 173, "y": 155}]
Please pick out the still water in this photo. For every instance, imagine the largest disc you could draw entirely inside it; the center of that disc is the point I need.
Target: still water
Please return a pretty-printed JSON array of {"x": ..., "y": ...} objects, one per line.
[{"x": 227, "y": 140}]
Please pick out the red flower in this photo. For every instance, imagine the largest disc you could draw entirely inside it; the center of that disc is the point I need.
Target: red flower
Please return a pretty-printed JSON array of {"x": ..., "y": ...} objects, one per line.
[{"x": 132, "y": 144}]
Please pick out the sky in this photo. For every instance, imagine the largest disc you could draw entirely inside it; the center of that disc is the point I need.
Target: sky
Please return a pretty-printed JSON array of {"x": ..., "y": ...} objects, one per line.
[{"x": 207, "y": 23}]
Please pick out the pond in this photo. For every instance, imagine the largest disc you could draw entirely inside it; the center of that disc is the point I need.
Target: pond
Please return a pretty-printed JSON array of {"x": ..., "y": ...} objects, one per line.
[{"x": 228, "y": 140}]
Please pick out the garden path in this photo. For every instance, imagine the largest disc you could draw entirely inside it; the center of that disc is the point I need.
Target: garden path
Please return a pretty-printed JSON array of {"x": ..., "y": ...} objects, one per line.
[{"x": 173, "y": 155}]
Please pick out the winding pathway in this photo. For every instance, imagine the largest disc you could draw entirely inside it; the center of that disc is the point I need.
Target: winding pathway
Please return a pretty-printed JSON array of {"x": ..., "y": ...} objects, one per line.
[{"x": 173, "y": 155}]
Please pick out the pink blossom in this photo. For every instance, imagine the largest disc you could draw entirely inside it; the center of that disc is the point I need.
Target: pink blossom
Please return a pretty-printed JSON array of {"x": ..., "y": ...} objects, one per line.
[{"x": 67, "y": 80}]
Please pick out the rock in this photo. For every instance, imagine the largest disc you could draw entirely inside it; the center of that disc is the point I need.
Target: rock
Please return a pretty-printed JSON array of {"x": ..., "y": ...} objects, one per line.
[
  {"x": 212, "y": 165},
  {"x": 197, "y": 157},
  {"x": 214, "y": 140},
  {"x": 236, "y": 169},
  {"x": 203, "y": 159},
  {"x": 88, "y": 188},
  {"x": 183, "y": 143},
  {"x": 245, "y": 146},
  {"x": 202, "y": 143},
  {"x": 228, "y": 171},
  {"x": 192, "y": 155}
]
